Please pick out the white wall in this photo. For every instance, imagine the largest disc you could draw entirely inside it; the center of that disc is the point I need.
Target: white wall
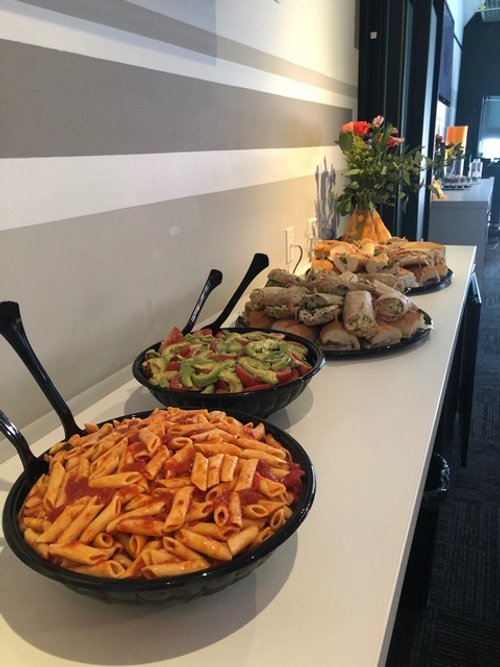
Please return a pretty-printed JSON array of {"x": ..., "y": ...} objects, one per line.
[{"x": 141, "y": 149}]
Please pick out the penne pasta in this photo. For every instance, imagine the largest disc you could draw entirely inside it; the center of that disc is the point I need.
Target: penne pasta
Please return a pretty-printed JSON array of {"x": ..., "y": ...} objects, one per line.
[{"x": 176, "y": 492}]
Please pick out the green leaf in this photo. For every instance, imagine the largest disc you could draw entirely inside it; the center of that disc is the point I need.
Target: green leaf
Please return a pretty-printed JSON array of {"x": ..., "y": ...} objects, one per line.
[{"x": 346, "y": 140}]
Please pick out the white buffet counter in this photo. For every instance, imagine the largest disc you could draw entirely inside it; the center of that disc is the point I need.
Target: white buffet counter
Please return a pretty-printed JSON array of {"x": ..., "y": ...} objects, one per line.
[
  {"x": 329, "y": 595},
  {"x": 463, "y": 219}
]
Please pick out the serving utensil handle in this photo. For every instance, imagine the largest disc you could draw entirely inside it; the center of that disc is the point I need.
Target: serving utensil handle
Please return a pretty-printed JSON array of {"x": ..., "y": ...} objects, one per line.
[
  {"x": 33, "y": 467},
  {"x": 214, "y": 279},
  {"x": 258, "y": 264},
  {"x": 12, "y": 329}
]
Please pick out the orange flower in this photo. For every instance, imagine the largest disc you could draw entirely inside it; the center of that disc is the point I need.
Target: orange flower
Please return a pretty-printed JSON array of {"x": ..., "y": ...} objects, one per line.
[{"x": 359, "y": 128}]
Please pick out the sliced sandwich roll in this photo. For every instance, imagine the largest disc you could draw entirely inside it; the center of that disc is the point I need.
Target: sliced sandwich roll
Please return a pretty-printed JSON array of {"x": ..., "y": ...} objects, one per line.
[
  {"x": 258, "y": 318},
  {"x": 425, "y": 275},
  {"x": 289, "y": 325},
  {"x": 354, "y": 262},
  {"x": 335, "y": 337},
  {"x": 377, "y": 263},
  {"x": 387, "y": 334},
  {"x": 320, "y": 266},
  {"x": 411, "y": 323}
]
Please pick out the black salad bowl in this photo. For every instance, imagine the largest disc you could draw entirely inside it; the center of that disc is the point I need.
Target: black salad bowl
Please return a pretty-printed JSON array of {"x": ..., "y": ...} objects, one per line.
[
  {"x": 165, "y": 589},
  {"x": 260, "y": 403}
]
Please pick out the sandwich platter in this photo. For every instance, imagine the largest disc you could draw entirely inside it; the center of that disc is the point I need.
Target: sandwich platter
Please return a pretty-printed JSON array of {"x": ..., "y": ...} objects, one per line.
[
  {"x": 367, "y": 350},
  {"x": 344, "y": 315}
]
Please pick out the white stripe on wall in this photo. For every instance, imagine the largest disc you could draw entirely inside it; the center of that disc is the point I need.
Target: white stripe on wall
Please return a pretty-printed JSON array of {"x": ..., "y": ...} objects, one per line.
[
  {"x": 39, "y": 27},
  {"x": 75, "y": 186}
]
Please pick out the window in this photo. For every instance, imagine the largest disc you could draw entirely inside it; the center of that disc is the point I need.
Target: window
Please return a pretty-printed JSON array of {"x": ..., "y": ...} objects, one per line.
[{"x": 489, "y": 130}]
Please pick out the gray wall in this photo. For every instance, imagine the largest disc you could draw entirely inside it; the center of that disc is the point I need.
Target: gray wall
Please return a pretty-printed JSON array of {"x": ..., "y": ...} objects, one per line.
[{"x": 138, "y": 150}]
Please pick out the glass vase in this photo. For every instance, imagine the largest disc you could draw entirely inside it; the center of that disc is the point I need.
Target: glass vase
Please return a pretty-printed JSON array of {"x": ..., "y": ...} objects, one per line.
[{"x": 366, "y": 223}]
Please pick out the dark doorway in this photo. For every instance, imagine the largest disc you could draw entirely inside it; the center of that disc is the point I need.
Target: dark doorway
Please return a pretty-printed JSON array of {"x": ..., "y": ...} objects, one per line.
[{"x": 399, "y": 48}]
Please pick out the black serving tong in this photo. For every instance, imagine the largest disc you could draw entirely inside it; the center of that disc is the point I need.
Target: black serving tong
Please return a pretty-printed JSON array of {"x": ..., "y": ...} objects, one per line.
[
  {"x": 12, "y": 329},
  {"x": 214, "y": 279},
  {"x": 258, "y": 264},
  {"x": 33, "y": 467}
]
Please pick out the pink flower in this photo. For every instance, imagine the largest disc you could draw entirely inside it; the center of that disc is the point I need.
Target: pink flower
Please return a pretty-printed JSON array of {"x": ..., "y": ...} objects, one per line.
[{"x": 394, "y": 141}]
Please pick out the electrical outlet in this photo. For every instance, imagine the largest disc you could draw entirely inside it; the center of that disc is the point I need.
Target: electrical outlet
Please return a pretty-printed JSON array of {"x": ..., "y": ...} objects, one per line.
[{"x": 289, "y": 240}]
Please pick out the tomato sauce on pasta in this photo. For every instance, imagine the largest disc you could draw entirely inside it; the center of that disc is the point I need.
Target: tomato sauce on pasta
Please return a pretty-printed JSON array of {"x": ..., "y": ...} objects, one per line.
[{"x": 176, "y": 492}]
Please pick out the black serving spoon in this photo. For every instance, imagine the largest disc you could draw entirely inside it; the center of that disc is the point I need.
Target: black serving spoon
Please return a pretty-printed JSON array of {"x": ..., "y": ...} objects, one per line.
[
  {"x": 214, "y": 279},
  {"x": 33, "y": 467},
  {"x": 12, "y": 329},
  {"x": 258, "y": 264}
]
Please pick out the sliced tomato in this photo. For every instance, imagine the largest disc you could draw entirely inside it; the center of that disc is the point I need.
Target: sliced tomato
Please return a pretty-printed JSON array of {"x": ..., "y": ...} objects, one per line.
[
  {"x": 246, "y": 378},
  {"x": 221, "y": 386},
  {"x": 175, "y": 383},
  {"x": 221, "y": 357},
  {"x": 285, "y": 375},
  {"x": 303, "y": 369},
  {"x": 175, "y": 336},
  {"x": 173, "y": 366},
  {"x": 256, "y": 387}
]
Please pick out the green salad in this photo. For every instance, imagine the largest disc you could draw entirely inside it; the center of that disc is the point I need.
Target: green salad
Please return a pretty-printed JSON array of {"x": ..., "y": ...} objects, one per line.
[{"x": 228, "y": 361}]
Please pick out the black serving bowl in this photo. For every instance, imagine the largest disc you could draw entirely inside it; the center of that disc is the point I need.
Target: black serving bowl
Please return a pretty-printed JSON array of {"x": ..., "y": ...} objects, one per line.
[
  {"x": 166, "y": 589},
  {"x": 260, "y": 402}
]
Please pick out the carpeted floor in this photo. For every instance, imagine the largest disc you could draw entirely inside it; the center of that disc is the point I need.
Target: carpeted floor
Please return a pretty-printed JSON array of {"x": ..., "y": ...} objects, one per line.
[{"x": 460, "y": 626}]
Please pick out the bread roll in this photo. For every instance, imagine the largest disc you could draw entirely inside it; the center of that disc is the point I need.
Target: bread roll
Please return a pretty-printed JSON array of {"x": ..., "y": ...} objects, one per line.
[
  {"x": 290, "y": 325},
  {"x": 335, "y": 337},
  {"x": 425, "y": 275},
  {"x": 258, "y": 319},
  {"x": 387, "y": 334},
  {"x": 321, "y": 266},
  {"x": 411, "y": 323},
  {"x": 354, "y": 262}
]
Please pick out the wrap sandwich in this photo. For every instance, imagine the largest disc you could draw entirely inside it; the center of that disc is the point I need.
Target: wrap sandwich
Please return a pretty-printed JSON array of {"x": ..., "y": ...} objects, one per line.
[
  {"x": 390, "y": 304},
  {"x": 359, "y": 314},
  {"x": 328, "y": 283},
  {"x": 320, "y": 308},
  {"x": 277, "y": 302},
  {"x": 282, "y": 278}
]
